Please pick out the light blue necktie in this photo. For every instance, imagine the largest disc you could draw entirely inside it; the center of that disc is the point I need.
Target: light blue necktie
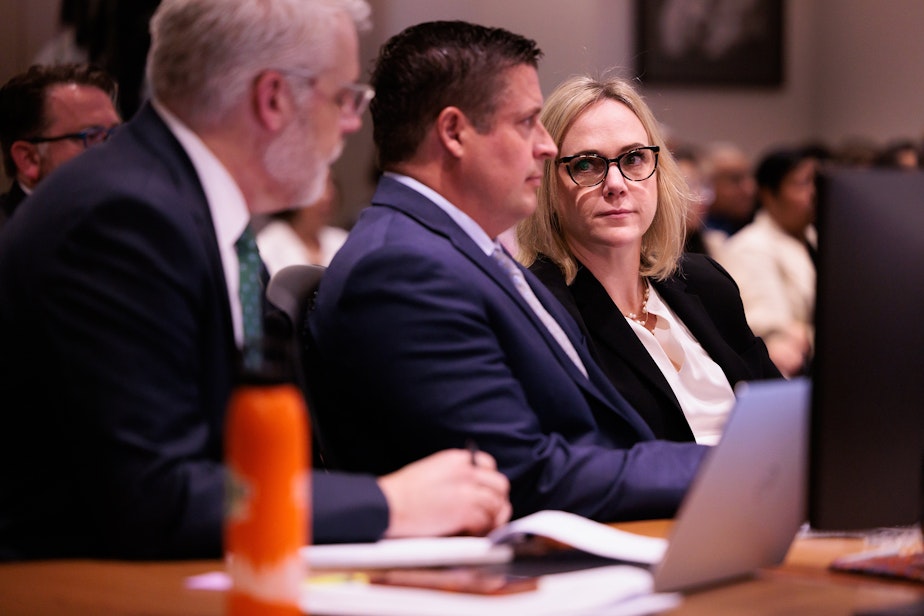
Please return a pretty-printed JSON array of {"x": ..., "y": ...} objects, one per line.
[
  {"x": 251, "y": 294},
  {"x": 519, "y": 281}
]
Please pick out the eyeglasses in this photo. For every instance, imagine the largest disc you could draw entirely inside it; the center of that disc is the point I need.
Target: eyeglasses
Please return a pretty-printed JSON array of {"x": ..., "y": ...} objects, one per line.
[
  {"x": 352, "y": 98},
  {"x": 591, "y": 169},
  {"x": 88, "y": 136}
]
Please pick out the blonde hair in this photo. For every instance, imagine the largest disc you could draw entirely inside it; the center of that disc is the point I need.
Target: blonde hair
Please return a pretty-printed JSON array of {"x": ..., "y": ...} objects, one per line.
[{"x": 541, "y": 233}]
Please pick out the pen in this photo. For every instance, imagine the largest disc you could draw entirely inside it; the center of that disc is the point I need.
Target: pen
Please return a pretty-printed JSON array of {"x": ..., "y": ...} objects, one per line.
[{"x": 472, "y": 447}]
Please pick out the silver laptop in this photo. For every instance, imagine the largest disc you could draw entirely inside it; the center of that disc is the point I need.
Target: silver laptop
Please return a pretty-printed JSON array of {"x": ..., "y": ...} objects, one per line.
[{"x": 748, "y": 500}]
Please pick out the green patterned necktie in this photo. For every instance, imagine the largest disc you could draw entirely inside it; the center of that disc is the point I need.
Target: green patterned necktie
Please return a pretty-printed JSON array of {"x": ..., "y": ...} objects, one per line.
[{"x": 251, "y": 295}]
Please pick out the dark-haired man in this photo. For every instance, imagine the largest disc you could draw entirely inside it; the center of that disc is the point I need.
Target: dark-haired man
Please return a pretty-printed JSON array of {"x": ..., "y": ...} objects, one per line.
[
  {"x": 48, "y": 115},
  {"x": 432, "y": 336}
]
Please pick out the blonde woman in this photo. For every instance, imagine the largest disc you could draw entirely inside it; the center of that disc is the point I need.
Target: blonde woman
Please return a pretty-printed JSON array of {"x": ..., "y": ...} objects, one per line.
[{"x": 607, "y": 238}]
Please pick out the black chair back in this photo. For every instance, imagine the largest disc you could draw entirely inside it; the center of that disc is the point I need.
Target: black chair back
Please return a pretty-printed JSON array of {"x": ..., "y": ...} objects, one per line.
[{"x": 292, "y": 291}]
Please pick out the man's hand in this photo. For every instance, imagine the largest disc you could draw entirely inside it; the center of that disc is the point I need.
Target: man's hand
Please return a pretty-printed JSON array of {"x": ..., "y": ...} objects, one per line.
[
  {"x": 446, "y": 494},
  {"x": 789, "y": 349}
]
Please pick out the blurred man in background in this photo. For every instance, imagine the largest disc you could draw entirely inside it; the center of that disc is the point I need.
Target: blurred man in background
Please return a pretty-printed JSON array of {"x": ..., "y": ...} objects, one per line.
[{"x": 49, "y": 115}]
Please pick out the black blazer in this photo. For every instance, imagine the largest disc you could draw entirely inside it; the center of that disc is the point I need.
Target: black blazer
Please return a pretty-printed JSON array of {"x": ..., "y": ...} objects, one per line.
[
  {"x": 706, "y": 299},
  {"x": 117, "y": 362}
]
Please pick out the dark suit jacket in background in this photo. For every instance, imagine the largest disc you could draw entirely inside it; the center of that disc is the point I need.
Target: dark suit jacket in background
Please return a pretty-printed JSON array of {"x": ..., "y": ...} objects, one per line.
[
  {"x": 703, "y": 296},
  {"x": 9, "y": 201},
  {"x": 427, "y": 344},
  {"x": 117, "y": 362}
]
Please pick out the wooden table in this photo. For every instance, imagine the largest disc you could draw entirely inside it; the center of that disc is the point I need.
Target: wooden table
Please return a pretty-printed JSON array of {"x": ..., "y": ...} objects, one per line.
[{"x": 802, "y": 585}]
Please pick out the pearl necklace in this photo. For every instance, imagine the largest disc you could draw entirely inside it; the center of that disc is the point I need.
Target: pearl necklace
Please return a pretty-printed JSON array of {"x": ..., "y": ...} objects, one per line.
[{"x": 642, "y": 316}]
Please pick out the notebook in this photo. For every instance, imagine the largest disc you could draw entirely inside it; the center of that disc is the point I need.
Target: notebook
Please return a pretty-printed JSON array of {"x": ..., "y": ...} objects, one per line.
[{"x": 748, "y": 499}]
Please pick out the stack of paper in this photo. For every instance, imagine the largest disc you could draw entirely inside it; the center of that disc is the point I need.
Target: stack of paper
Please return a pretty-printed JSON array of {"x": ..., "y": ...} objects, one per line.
[
  {"x": 365, "y": 582},
  {"x": 567, "y": 528},
  {"x": 616, "y": 590}
]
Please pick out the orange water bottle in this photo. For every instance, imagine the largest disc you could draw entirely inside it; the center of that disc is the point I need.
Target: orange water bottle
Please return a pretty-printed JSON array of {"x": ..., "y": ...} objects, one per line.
[{"x": 267, "y": 496}]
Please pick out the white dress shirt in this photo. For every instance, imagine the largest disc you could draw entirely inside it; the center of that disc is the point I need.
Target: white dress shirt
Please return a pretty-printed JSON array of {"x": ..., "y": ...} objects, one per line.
[
  {"x": 775, "y": 274},
  {"x": 699, "y": 384},
  {"x": 281, "y": 246},
  {"x": 226, "y": 204}
]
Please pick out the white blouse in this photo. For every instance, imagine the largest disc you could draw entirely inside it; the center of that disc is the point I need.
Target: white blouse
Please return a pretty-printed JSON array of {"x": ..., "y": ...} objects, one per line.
[{"x": 698, "y": 382}]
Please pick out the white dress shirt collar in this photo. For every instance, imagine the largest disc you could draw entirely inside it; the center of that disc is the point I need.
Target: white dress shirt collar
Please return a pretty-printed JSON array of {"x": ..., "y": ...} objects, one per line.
[
  {"x": 226, "y": 205},
  {"x": 465, "y": 222}
]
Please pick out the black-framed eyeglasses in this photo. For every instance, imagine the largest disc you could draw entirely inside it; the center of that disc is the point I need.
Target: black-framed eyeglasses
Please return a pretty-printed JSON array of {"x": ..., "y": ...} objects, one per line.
[
  {"x": 591, "y": 169},
  {"x": 88, "y": 136},
  {"x": 352, "y": 98}
]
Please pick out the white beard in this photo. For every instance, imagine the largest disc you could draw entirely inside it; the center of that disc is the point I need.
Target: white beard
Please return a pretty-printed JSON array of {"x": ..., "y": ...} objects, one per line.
[{"x": 293, "y": 161}]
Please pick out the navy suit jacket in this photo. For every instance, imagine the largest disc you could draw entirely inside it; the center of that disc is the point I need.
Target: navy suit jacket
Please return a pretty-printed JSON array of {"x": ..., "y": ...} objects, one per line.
[
  {"x": 706, "y": 299},
  {"x": 428, "y": 344},
  {"x": 117, "y": 362}
]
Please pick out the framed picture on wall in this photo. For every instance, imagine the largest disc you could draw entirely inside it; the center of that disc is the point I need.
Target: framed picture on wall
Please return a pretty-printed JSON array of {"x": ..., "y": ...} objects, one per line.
[{"x": 710, "y": 42}]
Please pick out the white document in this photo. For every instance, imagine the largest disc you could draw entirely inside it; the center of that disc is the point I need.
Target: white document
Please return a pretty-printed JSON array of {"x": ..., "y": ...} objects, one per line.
[
  {"x": 566, "y": 528},
  {"x": 586, "y": 535},
  {"x": 616, "y": 590}
]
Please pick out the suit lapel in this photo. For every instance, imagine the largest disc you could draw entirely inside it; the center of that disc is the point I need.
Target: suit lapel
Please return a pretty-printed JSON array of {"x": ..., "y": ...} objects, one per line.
[
  {"x": 392, "y": 194},
  {"x": 152, "y": 133},
  {"x": 597, "y": 383},
  {"x": 614, "y": 333},
  {"x": 395, "y": 195}
]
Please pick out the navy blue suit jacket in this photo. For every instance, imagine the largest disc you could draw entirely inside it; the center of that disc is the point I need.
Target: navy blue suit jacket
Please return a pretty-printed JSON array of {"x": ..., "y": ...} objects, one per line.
[
  {"x": 117, "y": 362},
  {"x": 427, "y": 344},
  {"x": 706, "y": 299}
]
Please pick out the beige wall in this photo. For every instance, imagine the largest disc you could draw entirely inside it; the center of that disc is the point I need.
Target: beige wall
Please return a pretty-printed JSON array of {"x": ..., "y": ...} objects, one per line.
[
  {"x": 870, "y": 56},
  {"x": 852, "y": 67},
  {"x": 24, "y": 26}
]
